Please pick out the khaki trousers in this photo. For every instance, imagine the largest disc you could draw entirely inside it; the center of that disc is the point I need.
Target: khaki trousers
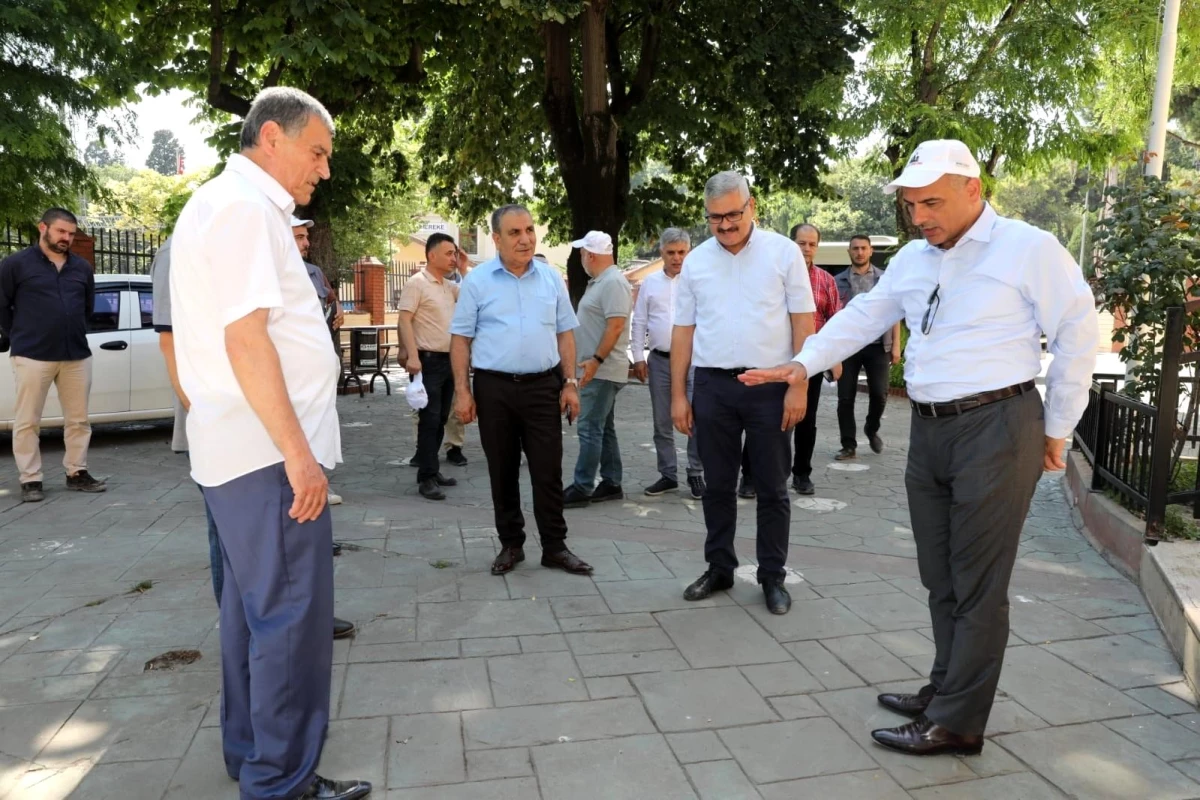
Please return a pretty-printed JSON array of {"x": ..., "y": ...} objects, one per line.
[
  {"x": 74, "y": 382},
  {"x": 456, "y": 433}
]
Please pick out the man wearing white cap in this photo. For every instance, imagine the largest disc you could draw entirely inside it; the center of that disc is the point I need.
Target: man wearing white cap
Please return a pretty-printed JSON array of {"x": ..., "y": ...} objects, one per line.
[
  {"x": 602, "y": 340},
  {"x": 976, "y": 294}
]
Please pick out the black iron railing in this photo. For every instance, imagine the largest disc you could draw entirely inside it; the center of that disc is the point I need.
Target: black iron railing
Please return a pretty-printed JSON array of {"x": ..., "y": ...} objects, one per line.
[{"x": 128, "y": 251}]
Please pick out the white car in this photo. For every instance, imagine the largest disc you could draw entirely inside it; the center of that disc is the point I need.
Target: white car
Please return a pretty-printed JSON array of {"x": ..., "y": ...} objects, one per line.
[{"x": 129, "y": 376}]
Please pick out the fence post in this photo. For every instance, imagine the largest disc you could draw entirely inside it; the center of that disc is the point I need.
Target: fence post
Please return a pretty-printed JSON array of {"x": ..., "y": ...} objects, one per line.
[
  {"x": 1100, "y": 444},
  {"x": 1164, "y": 427},
  {"x": 84, "y": 246},
  {"x": 374, "y": 285}
]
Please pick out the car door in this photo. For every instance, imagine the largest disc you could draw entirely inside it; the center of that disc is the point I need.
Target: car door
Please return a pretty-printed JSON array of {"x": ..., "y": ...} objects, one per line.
[
  {"x": 149, "y": 383},
  {"x": 108, "y": 337}
]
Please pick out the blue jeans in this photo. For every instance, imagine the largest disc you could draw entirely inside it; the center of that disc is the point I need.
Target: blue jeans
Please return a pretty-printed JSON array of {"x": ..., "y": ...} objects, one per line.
[
  {"x": 597, "y": 435},
  {"x": 214, "y": 553}
]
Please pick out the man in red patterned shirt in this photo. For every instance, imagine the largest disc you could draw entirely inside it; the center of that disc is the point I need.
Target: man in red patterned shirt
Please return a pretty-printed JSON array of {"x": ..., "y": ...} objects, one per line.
[{"x": 829, "y": 302}]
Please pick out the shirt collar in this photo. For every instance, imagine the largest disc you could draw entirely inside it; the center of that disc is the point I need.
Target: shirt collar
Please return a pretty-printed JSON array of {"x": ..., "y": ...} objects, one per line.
[
  {"x": 607, "y": 269},
  {"x": 261, "y": 180},
  {"x": 431, "y": 276}
]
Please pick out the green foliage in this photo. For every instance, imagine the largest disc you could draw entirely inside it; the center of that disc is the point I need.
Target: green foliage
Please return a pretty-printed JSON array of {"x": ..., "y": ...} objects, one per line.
[
  {"x": 98, "y": 154},
  {"x": 164, "y": 153},
  {"x": 1150, "y": 256},
  {"x": 57, "y": 64},
  {"x": 140, "y": 198},
  {"x": 896, "y": 371},
  {"x": 1050, "y": 198},
  {"x": 726, "y": 89},
  {"x": 1011, "y": 78},
  {"x": 850, "y": 201}
]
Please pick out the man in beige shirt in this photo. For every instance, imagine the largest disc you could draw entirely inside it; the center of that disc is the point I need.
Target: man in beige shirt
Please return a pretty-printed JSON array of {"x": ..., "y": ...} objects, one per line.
[{"x": 426, "y": 308}]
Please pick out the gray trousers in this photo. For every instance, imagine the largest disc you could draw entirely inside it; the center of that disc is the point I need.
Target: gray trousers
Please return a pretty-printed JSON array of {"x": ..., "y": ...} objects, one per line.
[
  {"x": 970, "y": 480},
  {"x": 664, "y": 428}
]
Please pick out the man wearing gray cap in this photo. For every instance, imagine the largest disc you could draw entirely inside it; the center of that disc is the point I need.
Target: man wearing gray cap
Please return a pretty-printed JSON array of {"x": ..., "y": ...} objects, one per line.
[
  {"x": 604, "y": 334},
  {"x": 977, "y": 294}
]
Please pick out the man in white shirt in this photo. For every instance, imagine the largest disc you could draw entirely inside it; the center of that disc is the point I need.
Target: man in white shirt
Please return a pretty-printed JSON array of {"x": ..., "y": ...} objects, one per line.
[
  {"x": 253, "y": 357},
  {"x": 743, "y": 300},
  {"x": 976, "y": 293},
  {"x": 654, "y": 314}
]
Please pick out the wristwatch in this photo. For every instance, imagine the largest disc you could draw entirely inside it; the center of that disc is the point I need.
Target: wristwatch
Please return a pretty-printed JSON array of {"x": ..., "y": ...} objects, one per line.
[
  {"x": 572, "y": 382},
  {"x": 596, "y": 356}
]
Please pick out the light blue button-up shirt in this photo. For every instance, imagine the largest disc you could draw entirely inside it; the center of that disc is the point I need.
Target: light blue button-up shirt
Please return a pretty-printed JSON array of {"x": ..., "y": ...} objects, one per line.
[{"x": 513, "y": 321}]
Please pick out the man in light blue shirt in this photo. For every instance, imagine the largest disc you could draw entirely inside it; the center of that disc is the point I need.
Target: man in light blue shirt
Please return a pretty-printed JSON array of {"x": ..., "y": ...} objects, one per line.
[{"x": 514, "y": 325}]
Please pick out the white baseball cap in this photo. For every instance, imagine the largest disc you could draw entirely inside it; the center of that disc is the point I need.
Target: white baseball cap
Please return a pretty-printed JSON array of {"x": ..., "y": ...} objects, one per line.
[
  {"x": 933, "y": 159},
  {"x": 301, "y": 223},
  {"x": 595, "y": 242}
]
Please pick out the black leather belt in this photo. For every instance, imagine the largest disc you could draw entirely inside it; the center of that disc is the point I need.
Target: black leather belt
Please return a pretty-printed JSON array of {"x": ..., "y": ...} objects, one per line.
[
  {"x": 956, "y": 407},
  {"x": 733, "y": 373},
  {"x": 661, "y": 353},
  {"x": 518, "y": 377},
  {"x": 432, "y": 353}
]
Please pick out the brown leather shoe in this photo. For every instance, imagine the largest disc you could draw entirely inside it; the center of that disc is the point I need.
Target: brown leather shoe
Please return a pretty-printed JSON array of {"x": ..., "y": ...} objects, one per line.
[
  {"x": 509, "y": 557},
  {"x": 566, "y": 561},
  {"x": 910, "y": 705},
  {"x": 924, "y": 737}
]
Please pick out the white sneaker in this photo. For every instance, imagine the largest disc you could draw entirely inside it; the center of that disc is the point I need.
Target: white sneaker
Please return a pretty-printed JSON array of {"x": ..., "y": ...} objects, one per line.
[{"x": 334, "y": 499}]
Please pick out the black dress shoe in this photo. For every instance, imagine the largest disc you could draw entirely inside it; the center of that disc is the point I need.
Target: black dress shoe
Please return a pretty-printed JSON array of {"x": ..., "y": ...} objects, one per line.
[
  {"x": 342, "y": 628},
  {"x": 325, "y": 789},
  {"x": 337, "y": 548},
  {"x": 607, "y": 491},
  {"x": 846, "y": 454},
  {"x": 442, "y": 480},
  {"x": 696, "y": 484},
  {"x": 430, "y": 490},
  {"x": 910, "y": 705},
  {"x": 711, "y": 581},
  {"x": 746, "y": 490},
  {"x": 876, "y": 443},
  {"x": 803, "y": 486},
  {"x": 567, "y": 562},
  {"x": 777, "y": 598},
  {"x": 83, "y": 482},
  {"x": 509, "y": 557},
  {"x": 924, "y": 737},
  {"x": 455, "y": 456},
  {"x": 574, "y": 497}
]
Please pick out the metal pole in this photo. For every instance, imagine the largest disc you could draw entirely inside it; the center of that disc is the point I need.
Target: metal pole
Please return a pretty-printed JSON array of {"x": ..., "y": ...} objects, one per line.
[
  {"x": 1159, "y": 115},
  {"x": 1165, "y": 421}
]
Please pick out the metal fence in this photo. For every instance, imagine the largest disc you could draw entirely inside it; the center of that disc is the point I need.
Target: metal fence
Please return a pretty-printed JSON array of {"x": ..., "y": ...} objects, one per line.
[
  {"x": 352, "y": 289},
  {"x": 116, "y": 251},
  {"x": 1131, "y": 444},
  {"x": 125, "y": 251}
]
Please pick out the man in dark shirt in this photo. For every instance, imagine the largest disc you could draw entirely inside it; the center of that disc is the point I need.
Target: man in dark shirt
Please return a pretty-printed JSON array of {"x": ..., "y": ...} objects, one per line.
[{"x": 46, "y": 294}]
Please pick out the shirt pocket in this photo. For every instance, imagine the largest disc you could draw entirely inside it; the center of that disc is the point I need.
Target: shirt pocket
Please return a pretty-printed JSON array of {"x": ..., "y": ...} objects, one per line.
[{"x": 546, "y": 311}]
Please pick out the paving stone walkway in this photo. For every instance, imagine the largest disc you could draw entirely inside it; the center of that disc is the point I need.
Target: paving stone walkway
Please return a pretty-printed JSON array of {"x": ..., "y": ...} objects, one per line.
[{"x": 464, "y": 686}]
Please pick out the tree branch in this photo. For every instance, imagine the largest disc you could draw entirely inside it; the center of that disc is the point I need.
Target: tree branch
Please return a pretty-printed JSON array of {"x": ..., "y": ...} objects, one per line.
[
  {"x": 647, "y": 60},
  {"x": 558, "y": 100},
  {"x": 993, "y": 161},
  {"x": 1182, "y": 140},
  {"x": 276, "y": 71},
  {"x": 927, "y": 92},
  {"x": 990, "y": 47},
  {"x": 616, "y": 70},
  {"x": 595, "y": 53},
  {"x": 219, "y": 95}
]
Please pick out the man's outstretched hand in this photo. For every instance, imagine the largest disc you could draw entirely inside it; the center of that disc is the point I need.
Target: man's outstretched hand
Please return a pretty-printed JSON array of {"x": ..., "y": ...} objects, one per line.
[{"x": 790, "y": 373}]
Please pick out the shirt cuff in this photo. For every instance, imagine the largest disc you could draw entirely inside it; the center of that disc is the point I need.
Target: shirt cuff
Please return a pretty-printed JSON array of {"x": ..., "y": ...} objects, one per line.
[
  {"x": 1058, "y": 428},
  {"x": 809, "y": 361}
]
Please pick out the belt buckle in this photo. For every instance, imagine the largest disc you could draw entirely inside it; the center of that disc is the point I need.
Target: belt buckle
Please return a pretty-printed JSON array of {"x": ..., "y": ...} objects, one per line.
[{"x": 933, "y": 411}]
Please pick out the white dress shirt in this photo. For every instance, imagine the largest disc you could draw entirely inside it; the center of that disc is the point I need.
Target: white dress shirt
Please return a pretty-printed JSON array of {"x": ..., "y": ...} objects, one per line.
[
  {"x": 654, "y": 312},
  {"x": 740, "y": 304},
  {"x": 1001, "y": 285},
  {"x": 232, "y": 253}
]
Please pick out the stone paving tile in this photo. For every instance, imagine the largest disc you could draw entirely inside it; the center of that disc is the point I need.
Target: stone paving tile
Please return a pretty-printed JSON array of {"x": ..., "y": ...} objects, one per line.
[
  {"x": 869, "y": 660},
  {"x": 537, "y": 678},
  {"x": 1166, "y": 699},
  {"x": 639, "y": 640},
  {"x": 811, "y": 619},
  {"x": 1061, "y": 693},
  {"x": 605, "y": 688},
  {"x": 654, "y": 595},
  {"x": 698, "y": 699},
  {"x": 388, "y": 688},
  {"x": 637, "y": 766},
  {"x": 486, "y": 765},
  {"x": 607, "y": 622},
  {"x": 26, "y": 730},
  {"x": 566, "y": 607},
  {"x": 356, "y": 747},
  {"x": 507, "y": 789},
  {"x": 501, "y": 646},
  {"x": 126, "y": 729},
  {"x": 537, "y": 725},
  {"x": 1038, "y": 621},
  {"x": 544, "y": 643},
  {"x": 547, "y": 583},
  {"x": 425, "y": 750},
  {"x": 721, "y": 780},
  {"x": 1024, "y": 785},
  {"x": 889, "y": 613},
  {"x": 690, "y": 748},
  {"x": 1158, "y": 735},
  {"x": 768, "y": 752},
  {"x": 465, "y": 620},
  {"x": 602, "y": 666},
  {"x": 781, "y": 679},
  {"x": 796, "y": 706},
  {"x": 823, "y": 665},
  {"x": 871, "y": 785},
  {"x": 720, "y": 637},
  {"x": 137, "y": 780},
  {"x": 1093, "y": 762},
  {"x": 1120, "y": 661}
]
